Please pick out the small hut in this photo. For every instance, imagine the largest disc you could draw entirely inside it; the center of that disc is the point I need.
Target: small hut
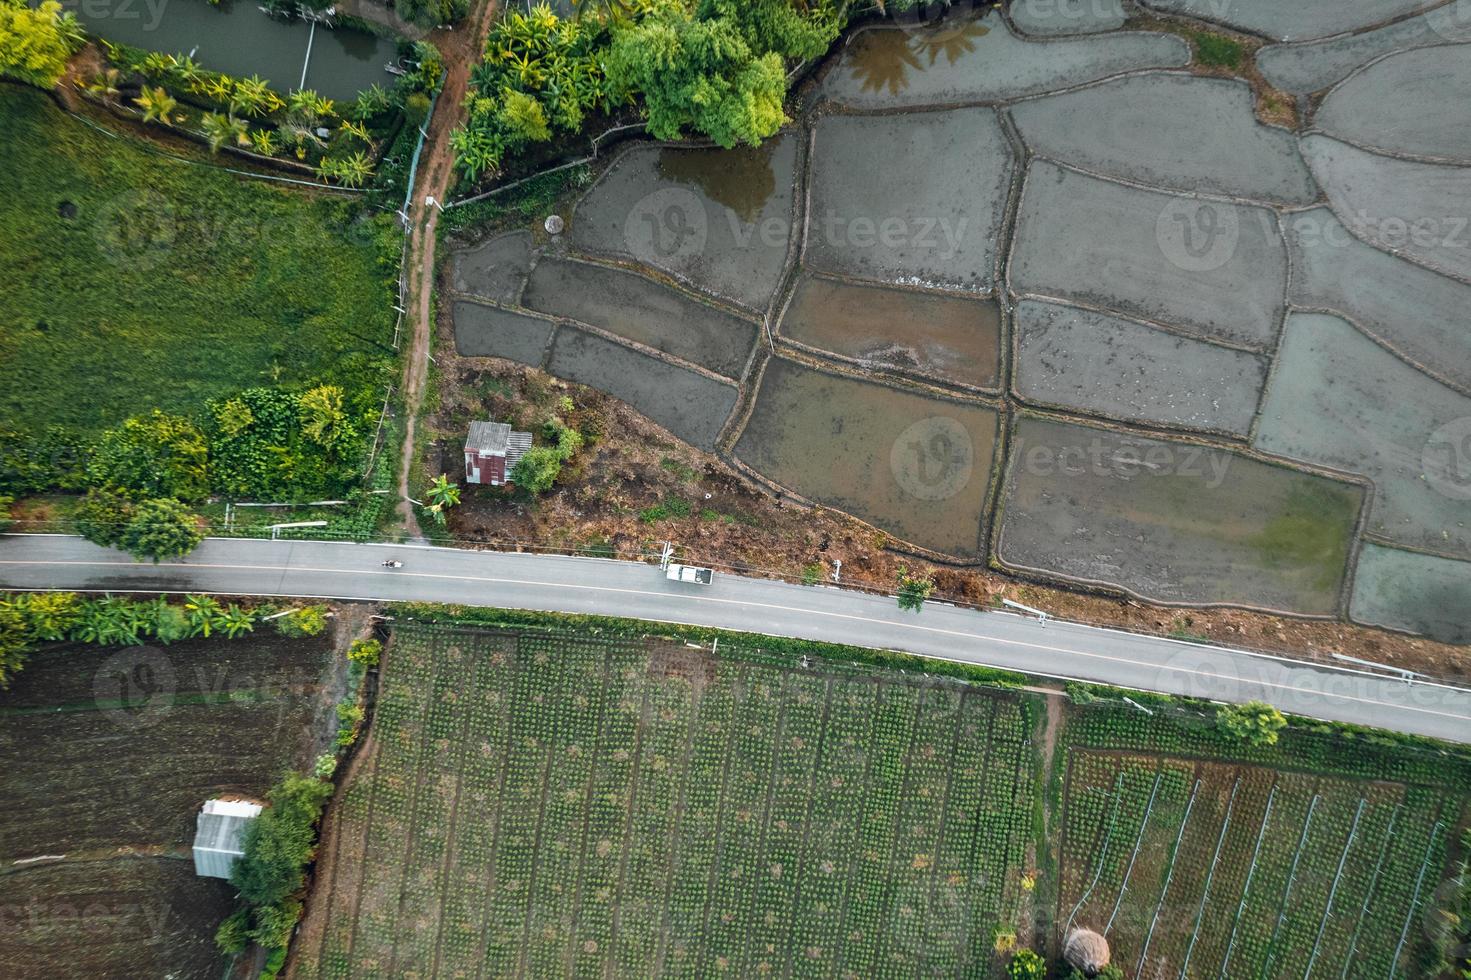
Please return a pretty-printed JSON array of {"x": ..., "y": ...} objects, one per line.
[
  {"x": 492, "y": 450},
  {"x": 1086, "y": 951},
  {"x": 219, "y": 834}
]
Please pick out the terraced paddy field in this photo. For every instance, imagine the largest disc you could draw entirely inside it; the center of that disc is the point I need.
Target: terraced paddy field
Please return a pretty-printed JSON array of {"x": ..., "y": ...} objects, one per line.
[
  {"x": 1077, "y": 213},
  {"x": 581, "y": 802},
  {"x": 924, "y": 333},
  {"x": 577, "y": 805},
  {"x": 1174, "y": 521},
  {"x": 917, "y": 463}
]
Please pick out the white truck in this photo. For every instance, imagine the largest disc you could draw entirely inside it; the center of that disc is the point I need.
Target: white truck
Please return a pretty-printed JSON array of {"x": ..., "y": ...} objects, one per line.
[{"x": 676, "y": 572}]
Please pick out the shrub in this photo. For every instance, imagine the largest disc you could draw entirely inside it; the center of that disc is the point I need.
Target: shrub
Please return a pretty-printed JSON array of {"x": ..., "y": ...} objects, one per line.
[
  {"x": 1217, "y": 50},
  {"x": 365, "y": 652},
  {"x": 1025, "y": 964},
  {"x": 913, "y": 590},
  {"x": 1255, "y": 723},
  {"x": 307, "y": 621},
  {"x": 271, "y": 872},
  {"x": 35, "y": 44},
  {"x": 156, "y": 455}
]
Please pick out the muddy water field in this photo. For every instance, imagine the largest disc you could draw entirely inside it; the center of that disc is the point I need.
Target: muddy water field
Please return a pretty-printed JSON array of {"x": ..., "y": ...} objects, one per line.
[{"x": 1038, "y": 228}]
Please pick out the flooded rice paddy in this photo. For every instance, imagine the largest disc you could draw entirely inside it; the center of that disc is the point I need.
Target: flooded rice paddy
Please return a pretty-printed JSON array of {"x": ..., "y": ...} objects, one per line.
[
  {"x": 1340, "y": 400},
  {"x": 1174, "y": 521},
  {"x": 947, "y": 338},
  {"x": 720, "y": 220},
  {"x": 485, "y": 331},
  {"x": 1042, "y": 216},
  {"x": 1115, "y": 368},
  {"x": 691, "y": 405},
  {"x": 1436, "y": 604},
  {"x": 935, "y": 226},
  {"x": 643, "y": 311},
  {"x": 917, "y": 465}
]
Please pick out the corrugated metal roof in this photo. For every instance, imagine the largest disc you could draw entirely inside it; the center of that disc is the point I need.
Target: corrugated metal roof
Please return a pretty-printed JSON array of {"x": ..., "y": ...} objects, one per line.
[
  {"x": 517, "y": 445},
  {"x": 488, "y": 437},
  {"x": 219, "y": 830}
]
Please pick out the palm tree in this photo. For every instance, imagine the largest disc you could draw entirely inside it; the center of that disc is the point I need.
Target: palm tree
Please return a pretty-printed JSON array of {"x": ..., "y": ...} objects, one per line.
[
  {"x": 252, "y": 96},
  {"x": 356, "y": 130},
  {"x": 309, "y": 105},
  {"x": 237, "y": 621},
  {"x": 105, "y": 84},
  {"x": 443, "y": 493},
  {"x": 220, "y": 128},
  {"x": 157, "y": 105},
  {"x": 353, "y": 171},
  {"x": 184, "y": 68},
  {"x": 264, "y": 142}
]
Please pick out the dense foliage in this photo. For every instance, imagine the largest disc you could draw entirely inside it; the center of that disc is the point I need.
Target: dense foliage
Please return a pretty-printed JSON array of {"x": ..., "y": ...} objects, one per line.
[
  {"x": 30, "y": 619},
  {"x": 36, "y": 43},
  {"x": 713, "y": 68},
  {"x": 246, "y": 114},
  {"x": 1255, "y": 723},
  {"x": 271, "y": 873}
]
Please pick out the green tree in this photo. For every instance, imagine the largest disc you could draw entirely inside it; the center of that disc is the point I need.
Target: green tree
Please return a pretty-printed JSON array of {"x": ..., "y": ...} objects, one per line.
[
  {"x": 323, "y": 418},
  {"x": 203, "y": 614},
  {"x": 237, "y": 622},
  {"x": 35, "y": 44},
  {"x": 699, "y": 74},
  {"x": 1025, "y": 964},
  {"x": 220, "y": 128},
  {"x": 913, "y": 590},
  {"x": 365, "y": 652},
  {"x": 1255, "y": 722},
  {"x": 161, "y": 529},
  {"x": 155, "y": 455},
  {"x": 6, "y": 501},
  {"x": 170, "y": 624},
  {"x": 537, "y": 470},
  {"x": 15, "y": 643},
  {"x": 278, "y": 844},
  {"x": 102, "y": 517},
  {"x": 416, "y": 109}
]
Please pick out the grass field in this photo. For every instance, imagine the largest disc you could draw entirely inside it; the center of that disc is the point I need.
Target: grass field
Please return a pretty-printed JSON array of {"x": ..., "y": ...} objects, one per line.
[
  {"x": 135, "y": 281},
  {"x": 550, "y": 805},
  {"x": 109, "y": 754},
  {"x": 574, "y": 804}
]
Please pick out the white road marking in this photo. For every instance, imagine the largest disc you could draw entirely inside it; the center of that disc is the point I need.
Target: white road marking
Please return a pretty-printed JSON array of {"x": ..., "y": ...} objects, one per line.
[{"x": 489, "y": 580}]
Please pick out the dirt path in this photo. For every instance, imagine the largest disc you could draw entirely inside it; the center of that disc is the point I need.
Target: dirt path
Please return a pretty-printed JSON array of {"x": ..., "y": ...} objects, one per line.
[{"x": 460, "y": 50}]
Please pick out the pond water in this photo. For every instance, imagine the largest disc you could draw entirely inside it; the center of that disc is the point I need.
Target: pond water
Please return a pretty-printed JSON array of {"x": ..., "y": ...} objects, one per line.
[{"x": 240, "y": 39}]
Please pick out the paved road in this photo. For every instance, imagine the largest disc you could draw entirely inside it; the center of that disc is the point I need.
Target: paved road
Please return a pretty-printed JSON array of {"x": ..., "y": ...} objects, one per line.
[{"x": 615, "y": 588}]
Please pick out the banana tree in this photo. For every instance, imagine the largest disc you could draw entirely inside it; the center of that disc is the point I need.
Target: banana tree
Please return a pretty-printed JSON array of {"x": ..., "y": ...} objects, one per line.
[
  {"x": 237, "y": 621},
  {"x": 443, "y": 493},
  {"x": 203, "y": 614}
]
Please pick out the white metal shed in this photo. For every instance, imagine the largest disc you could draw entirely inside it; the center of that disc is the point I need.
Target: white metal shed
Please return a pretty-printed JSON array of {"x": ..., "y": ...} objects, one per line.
[{"x": 219, "y": 835}]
